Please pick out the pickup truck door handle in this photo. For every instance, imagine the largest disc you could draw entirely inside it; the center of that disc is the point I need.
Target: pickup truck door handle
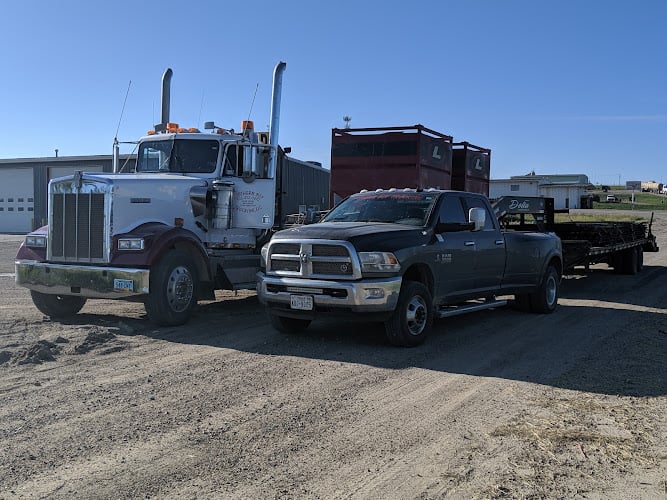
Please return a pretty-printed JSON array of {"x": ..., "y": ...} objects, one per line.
[
  {"x": 469, "y": 243},
  {"x": 500, "y": 242}
]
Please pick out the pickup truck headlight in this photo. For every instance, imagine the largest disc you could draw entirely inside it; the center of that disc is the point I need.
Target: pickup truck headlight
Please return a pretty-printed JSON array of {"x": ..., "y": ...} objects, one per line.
[
  {"x": 264, "y": 252},
  {"x": 35, "y": 241},
  {"x": 130, "y": 244},
  {"x": 379, "y": 262}
]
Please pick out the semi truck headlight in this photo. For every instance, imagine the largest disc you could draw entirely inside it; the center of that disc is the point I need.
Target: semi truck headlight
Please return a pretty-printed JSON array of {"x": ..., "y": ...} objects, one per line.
[
  {"x": 379, "y": 262},
  {"x": 130, "y": 244},
  {"x": 35, "y": 240}
]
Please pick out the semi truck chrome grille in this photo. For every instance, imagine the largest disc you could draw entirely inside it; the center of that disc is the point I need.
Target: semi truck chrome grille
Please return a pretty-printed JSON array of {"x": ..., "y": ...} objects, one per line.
[
  {"x": 311, "y": 259},
  {"x": 77, "y": 227}
]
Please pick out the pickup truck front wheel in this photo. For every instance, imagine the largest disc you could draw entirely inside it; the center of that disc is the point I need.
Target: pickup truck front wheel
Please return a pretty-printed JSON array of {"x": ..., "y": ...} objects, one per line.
[
  {"x": 545, "y": 299},
  {"x": 173, "y": 293},
  {"x": 412, "y": 319},
  {"x": 288, "y": 325},
  {"x": 57, "y": 306}
]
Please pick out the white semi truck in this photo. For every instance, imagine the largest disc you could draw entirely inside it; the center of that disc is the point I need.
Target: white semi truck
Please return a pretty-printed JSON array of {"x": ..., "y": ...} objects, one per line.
[{"x": 189, "y": 219}]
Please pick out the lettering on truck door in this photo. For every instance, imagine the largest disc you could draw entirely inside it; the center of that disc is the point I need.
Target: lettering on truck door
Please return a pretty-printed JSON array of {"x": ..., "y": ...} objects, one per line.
[{"x": 453, "y": 253}]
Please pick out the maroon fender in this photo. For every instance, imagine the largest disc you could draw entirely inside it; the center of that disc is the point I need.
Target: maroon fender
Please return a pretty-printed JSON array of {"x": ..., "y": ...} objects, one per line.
[
  {"x": 158, "y": 239},
  {"x": 30, "y": 253}
]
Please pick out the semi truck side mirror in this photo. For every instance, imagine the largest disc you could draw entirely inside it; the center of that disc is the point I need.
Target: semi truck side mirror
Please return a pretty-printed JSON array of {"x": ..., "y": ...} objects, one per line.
[{"x": 477, "y": 217}]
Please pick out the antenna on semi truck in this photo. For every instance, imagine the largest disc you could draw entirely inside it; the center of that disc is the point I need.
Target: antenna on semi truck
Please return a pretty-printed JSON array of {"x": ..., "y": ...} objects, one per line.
[
  {"x": 116, "y": 152},
  {"x": 252, "y": 103}
]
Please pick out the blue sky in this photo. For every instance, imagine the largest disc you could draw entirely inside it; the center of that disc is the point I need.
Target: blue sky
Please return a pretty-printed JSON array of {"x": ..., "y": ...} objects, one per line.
[{"x": 550, "y": 86}]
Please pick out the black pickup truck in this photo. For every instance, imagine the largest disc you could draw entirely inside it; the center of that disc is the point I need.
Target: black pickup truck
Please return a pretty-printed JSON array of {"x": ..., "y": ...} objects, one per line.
[{"x": 405, "y": 257}]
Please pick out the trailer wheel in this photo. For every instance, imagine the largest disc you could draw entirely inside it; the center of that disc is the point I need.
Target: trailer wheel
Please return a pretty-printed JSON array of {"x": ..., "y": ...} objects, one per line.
[
  {"x": 172, "y": 295},
  {"x": 545, "y": 299},
  {"x": 617, "y": 261},
  {"x": 630, "y": 261},
  {"x": 640, "y": 259},
  {"x": 57, "y": 306},
  {"x": 288, "y": 325},
  {"x": 412, "y": 319}
]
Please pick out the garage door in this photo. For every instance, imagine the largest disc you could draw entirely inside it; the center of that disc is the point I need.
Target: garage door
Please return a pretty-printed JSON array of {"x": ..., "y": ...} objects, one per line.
[{"x": 16, "y": 200}]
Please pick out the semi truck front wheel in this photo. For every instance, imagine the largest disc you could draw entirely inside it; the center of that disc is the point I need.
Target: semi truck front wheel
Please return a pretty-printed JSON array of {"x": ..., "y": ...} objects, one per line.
[
  {"x": 57, "y": 306},
  {"x": 173, "y": 290}
]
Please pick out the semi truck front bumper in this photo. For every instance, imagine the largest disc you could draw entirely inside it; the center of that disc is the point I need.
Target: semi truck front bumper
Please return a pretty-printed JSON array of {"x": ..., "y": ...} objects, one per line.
[
  {"x": 312, "y": 296},
  {"x": 84, "y": 281}
]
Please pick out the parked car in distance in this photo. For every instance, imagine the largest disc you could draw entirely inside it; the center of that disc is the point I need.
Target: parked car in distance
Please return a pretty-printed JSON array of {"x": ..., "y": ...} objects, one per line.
[{"x": 611, "y": 198}]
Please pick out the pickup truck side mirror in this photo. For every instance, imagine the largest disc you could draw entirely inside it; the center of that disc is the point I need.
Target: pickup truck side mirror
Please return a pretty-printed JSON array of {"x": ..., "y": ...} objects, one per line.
[{"x": 477, "y": 217}]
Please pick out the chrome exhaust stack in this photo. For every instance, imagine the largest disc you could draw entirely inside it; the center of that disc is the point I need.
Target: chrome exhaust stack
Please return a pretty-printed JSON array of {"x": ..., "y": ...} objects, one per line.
[
  {"x": 166, "y": 99},
  {"x": 275, "y": 116}
]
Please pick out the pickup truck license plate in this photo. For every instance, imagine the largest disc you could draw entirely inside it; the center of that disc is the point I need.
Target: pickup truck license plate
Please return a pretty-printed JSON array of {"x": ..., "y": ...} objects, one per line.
[
  {"x": 301, "y": 302},
  {"x": 123, "y": 285}
]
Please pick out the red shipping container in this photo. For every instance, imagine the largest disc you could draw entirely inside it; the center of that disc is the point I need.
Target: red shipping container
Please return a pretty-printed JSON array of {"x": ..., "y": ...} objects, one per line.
[
  {"x": 389, "y": 157},
  {"x": 471, "y": 167}
]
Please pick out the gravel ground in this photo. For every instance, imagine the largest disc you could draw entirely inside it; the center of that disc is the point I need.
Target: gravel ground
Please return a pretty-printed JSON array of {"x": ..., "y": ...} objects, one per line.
[{"x": 499, "y": 404}]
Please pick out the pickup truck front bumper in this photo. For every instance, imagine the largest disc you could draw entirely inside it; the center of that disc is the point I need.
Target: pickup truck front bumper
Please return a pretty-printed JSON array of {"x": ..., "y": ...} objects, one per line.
[
  {"x": 364, "y": 296},
  {"x": 84, "y": 281}
]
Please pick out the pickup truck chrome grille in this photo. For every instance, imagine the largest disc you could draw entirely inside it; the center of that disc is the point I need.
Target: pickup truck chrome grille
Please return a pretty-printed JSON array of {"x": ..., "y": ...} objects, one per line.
[
  {"x": 77, "y": 231},
  {"x": 314, "y": 259}
]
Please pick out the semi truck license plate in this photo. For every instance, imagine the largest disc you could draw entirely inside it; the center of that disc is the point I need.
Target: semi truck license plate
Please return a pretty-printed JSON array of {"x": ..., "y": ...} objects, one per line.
[
  {"x": 124, "y": 285},
  {"x": 301, "y": 302}
]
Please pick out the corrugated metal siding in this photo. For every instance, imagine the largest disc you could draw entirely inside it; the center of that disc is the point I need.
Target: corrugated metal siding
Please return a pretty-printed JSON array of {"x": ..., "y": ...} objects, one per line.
[{"x": 302, "y": 183}]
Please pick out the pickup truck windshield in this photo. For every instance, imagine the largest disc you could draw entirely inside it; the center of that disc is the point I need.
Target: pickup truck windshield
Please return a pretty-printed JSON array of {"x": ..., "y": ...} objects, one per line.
[
  {"x": 178, "y": 155},
  {"x": 410, "y": 208}
]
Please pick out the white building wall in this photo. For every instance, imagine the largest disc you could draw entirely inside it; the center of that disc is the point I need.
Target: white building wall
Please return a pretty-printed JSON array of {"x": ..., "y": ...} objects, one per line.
[
  {"x": 509, "y": 187},
  {"x": 564, "y": 196}
]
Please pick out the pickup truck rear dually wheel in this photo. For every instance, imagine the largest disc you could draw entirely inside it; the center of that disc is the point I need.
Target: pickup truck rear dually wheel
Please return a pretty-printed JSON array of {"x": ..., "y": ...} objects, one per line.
[
  {"x": 412, "y": 319},
  {"x": 172, "y": 294},
  {"x": 545, "y": 299}
]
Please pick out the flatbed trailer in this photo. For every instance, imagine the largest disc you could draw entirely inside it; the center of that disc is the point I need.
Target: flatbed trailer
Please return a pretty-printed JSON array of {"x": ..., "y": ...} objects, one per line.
[{"x": 621, "y": 245}]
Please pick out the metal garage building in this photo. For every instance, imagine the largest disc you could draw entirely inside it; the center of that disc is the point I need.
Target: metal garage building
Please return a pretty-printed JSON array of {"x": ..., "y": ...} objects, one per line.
[{"x": 24, "y": 183}]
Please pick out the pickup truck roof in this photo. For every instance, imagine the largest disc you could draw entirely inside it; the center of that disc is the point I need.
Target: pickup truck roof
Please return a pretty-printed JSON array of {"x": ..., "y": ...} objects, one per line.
[{"x": 400, "y": 206}]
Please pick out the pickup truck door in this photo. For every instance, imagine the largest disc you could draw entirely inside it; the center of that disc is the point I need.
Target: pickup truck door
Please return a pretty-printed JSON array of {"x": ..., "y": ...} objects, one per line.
[
  {"x": 489, "y": 265},
  {"x": 453, "y": 252}
]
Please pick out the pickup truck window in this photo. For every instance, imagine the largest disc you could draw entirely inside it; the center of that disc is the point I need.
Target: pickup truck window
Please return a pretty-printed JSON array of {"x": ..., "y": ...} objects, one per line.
[
  {"x": 474, "y": 202},
  {"x": 410, "y": 208},
  {"x": 451, "y": 211}
]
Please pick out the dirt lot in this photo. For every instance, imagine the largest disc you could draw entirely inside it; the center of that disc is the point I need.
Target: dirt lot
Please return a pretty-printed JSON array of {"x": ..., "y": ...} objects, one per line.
[{"x": 500, "y": 404}]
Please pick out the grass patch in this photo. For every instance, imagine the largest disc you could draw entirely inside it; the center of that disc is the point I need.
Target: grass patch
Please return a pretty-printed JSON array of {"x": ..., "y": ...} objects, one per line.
[
  {"x": 643, "y": 201},
  {"x": 579, "y": 217}
]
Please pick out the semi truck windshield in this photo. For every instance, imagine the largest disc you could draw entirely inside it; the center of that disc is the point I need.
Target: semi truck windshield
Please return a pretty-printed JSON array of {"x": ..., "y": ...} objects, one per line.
[{"x": 178, "y": 155}]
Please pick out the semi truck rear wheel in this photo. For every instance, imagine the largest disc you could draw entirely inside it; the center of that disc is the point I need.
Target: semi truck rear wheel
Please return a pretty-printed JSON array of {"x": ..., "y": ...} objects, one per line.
[
  {"x": 173, "y": 290},
  {"x": 412, "y": 319},
  {"x": 57, "y": 306}
]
